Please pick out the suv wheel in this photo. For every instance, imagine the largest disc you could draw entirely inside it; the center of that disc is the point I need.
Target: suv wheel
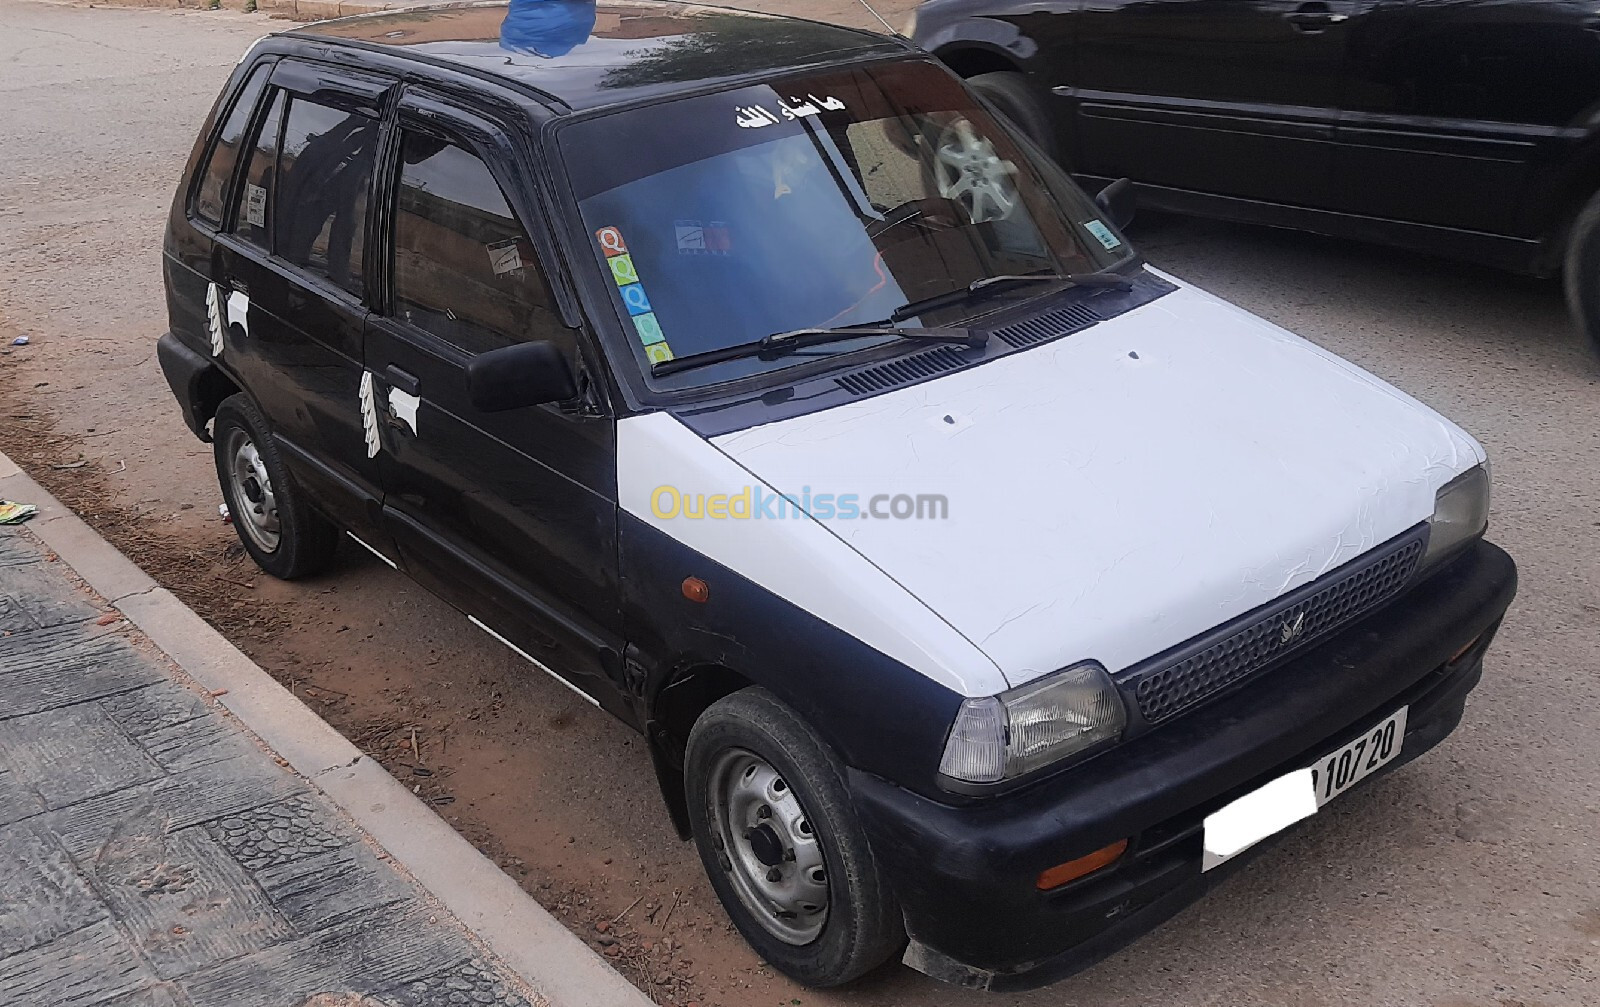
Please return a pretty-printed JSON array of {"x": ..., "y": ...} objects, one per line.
[
  {"x": 1582, "y": 273},
  {"x": 284, "y": 536},
  {"x": 782, "y": 845},
  {"x": 1009, "y": 92}
]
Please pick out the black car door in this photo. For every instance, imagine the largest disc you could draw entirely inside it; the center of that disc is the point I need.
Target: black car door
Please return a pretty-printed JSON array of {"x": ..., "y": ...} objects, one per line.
[
  {"x": 509, "y": 515},
  {"x": 1453, "y": 109},
  {"x": 1226, "y": 97},
  {"x": 291, "y": 276}
]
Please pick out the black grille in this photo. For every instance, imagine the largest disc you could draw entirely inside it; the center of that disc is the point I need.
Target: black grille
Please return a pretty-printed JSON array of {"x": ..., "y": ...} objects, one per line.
[
  {"x": 1195, "y": 671},
  {"x": 1061, "y": 322},
  {"x": 903, "y": 371}
]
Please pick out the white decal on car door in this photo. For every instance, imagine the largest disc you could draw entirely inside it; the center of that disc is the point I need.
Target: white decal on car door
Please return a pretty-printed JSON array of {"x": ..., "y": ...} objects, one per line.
[
  {"x": 214, "y": 317},
  {"x": 403, "y": 406},
  {"x": 369, "y": 415},
  {"x": 239, "y": 311}
]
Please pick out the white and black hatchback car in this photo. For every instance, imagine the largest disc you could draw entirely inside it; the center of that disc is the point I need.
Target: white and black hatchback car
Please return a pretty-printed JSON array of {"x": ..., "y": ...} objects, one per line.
[{"x": 979, "y": 589}]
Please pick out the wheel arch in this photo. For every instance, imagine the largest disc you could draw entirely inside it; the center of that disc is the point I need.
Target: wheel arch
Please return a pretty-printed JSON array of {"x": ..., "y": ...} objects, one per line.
[
  {"x": 682, "y": 697},
  {"x": 968, "y": 59}
]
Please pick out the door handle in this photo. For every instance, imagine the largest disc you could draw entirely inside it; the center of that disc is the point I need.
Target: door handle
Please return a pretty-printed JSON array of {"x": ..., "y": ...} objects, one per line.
[
  {"x": 1313, "y": 17},
  {"x": 402, "y": 379}
]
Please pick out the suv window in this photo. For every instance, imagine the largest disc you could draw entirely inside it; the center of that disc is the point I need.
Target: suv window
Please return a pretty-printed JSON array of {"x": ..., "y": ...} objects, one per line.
[
  {"x": 250, "y": 221},
  {"x": 324, "y": 173},
  {"x": 208, "y": 203},
  {"x": 464, "y": 268}
]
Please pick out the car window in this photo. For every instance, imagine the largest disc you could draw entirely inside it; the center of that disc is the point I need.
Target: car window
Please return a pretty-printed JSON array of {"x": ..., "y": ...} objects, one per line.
[
  {"x": 225, "y": 152},
  {"x": 464, "y": 268},
  {"x": 324, "y": 173},
  {"x": 254, "y": 199}
]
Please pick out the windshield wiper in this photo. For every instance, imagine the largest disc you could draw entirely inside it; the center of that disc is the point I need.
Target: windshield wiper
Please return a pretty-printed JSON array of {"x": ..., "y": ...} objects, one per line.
[
  {"x": 960, "y": 295},
  {"x": 780, "y": 343}
]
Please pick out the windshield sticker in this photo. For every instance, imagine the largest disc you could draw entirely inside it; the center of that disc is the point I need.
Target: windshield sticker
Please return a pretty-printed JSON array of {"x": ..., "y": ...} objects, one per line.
[
  {"x": 622, "y": 270},
  {"x": 649, "y": 329},
  {"x": 691, "y": 236},
  {"x": 611, "y": 241},
  {"x": 756, "y": 116},
  {"x": 255, "y": 205},
  {"x": 1103, "y": 233},
  {"x": 634, "y": 297},
  {"x": 660, "y": 353},
  {"x": 719, "y": 237},
  {"x": 504, "y": 257}
]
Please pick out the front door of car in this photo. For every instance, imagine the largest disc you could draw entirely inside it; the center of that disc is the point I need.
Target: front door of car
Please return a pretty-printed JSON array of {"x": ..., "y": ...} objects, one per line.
[
  {"x": 509, "y": 515},
  {"x": 1226, "y": 97},
  {"x": 290, "y": 278}
]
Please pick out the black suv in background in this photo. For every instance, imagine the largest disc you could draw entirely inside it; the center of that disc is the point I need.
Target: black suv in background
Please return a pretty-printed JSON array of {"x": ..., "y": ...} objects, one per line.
[{"x": 1465, "y": 130}]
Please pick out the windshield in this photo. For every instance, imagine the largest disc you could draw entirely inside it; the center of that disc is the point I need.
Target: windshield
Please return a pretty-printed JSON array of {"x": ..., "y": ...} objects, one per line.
[{"x": 817, "y": 201}]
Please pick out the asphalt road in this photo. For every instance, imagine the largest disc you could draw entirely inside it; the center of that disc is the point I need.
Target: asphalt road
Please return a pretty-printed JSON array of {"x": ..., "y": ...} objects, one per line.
[{"x": 1470, "y": 879}]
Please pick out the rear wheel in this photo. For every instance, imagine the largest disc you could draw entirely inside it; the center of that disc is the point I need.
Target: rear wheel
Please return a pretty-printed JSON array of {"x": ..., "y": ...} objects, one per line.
[
  {"x": 280, "y": 532},
  {"x": 1582, "y": 274},
  {"x": 1009, "y": 92},
  {"x": 781, "y": 843}
]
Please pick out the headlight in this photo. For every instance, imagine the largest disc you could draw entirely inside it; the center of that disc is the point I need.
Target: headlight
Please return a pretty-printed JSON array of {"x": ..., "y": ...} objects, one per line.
[
  {"x": 997, "y": 738},
  {"x": 1460, "y": 512}
]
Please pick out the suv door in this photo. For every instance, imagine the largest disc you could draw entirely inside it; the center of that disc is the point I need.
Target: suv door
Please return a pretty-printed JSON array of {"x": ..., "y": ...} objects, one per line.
[
  {"x": 290, "y": 264},
  {"x": 511, "y": 515},
  {"x": 1453, "y": 107},
  {"x": 1229, "y": 97}
]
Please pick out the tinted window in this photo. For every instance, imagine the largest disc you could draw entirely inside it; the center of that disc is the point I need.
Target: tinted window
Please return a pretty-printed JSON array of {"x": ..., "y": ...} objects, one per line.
[
  {"x": 463, "y": 267},
  {"x": 255, "y": 197},
  {"x": 225, "y": 153},
  {"x": 324, "y": 170}
]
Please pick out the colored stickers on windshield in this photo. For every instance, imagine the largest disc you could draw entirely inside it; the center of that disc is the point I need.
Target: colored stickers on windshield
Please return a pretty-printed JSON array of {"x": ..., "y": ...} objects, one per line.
[
  {"x": 1103, "y": 233},
  {"x": 696, "y": 238},
  {"x": 634, "y": 298}
]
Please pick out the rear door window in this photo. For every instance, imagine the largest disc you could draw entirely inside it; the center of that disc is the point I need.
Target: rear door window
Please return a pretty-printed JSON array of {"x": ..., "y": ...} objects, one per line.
[
  {"x": 464, "y": 269},
  {"x": 324, "y": 175},
  {"x": 255, "y": 197},
  {"x": 210, "y": 200}
]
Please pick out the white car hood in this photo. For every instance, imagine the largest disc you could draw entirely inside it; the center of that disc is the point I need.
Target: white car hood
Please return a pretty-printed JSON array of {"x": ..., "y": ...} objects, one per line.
[{"x": 1121, "y": 490}]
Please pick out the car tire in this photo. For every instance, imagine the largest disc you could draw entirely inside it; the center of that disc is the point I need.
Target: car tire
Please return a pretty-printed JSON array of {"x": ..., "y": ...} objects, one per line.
[
  {"x": 281, "y": 533},
  {"x": 1009, "y": 92},
  {"x": 775, "y": 827},
  {"x": 1581, "y": 274}
]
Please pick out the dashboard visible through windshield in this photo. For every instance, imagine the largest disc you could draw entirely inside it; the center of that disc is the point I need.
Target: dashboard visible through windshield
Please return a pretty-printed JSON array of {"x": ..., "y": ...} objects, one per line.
[{"x": 820, "y": 201}]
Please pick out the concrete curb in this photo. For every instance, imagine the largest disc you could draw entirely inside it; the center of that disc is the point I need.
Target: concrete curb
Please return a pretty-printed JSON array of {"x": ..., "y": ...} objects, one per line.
[{"x": 526, "y": 938}]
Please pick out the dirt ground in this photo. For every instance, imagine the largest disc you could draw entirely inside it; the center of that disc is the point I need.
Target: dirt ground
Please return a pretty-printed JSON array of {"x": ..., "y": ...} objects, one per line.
[{"x": 1467, "y": 881}]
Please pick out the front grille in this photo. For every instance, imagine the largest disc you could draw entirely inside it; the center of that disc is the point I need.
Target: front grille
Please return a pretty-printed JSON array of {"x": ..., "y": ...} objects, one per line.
[{"x": 1195, "y": 671}]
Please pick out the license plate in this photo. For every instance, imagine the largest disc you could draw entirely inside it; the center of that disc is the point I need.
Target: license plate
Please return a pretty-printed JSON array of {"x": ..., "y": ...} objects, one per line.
[{"x": 1286, "y": 800}]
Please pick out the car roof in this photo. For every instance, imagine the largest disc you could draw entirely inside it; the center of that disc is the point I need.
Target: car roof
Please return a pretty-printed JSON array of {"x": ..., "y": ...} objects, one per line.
[{"x": 585, "y": 54}]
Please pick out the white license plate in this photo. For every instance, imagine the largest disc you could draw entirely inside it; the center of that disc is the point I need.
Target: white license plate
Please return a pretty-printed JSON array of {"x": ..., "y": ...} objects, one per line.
[{"x": 1286, "y": 800}]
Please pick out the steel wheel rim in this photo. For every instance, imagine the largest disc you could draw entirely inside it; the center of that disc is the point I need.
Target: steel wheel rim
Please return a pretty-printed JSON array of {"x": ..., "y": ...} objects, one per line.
[
  {"x": 253, "y": 504},
  {"x": 768, "y": 848},
  {"x": 970, "y": 172}
]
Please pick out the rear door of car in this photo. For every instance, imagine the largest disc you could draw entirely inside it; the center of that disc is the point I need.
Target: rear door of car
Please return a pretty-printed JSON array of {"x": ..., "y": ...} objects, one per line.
[
  {"x": 291, "y": 270},
  {"x": 1454, "y": 109},
  {"x": 509, "y": 515},
  {"x": 1226, "y": 97}
]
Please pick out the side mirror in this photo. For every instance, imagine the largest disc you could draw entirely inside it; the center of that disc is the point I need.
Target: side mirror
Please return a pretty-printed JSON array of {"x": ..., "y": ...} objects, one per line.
[
  {"x": 1119, "y": 201},
  {"x": 514, "y": 377}
]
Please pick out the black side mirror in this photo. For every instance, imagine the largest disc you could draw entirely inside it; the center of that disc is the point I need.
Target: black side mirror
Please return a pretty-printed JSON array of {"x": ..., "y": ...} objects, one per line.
[
  {"x": 1119, "y": 201},
  {"x": 514, "y": 377}
]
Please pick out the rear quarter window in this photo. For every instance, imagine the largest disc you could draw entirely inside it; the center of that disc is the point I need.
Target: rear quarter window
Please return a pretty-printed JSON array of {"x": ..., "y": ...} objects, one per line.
[{"x": 224, "y": 155}]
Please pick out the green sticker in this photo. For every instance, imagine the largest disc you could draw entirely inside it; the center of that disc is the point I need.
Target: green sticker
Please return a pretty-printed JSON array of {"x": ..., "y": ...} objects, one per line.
[
  {"x": 659, "y": 353},
  {"x": 1103, "y": 233},
  {"x": 622, "y": 269},
  {"x": 649, "y": 329}
]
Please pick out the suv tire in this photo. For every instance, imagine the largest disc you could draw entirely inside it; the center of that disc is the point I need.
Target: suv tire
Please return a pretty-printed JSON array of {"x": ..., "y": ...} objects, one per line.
[
  {"x": 1009, "y": 92},
  {"x": 1581, "y": 273},
  {"x": 281, "y": 533},
  {"x": 774, "y": 824}
]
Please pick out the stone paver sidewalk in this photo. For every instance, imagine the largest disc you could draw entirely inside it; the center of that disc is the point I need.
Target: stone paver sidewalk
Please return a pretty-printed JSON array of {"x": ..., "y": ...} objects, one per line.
[{"x": 153, "y": 854}]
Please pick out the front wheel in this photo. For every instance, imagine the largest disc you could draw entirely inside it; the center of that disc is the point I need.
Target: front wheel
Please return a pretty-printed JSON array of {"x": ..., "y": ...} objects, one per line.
[
  {"x": 1010, "y": 94},
  {"x": 1582, "y": 274},
  {"x": 782, "y": 845}
]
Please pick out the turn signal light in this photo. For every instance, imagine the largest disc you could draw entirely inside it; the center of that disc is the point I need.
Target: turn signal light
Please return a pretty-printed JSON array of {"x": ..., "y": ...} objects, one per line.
[
  {"x": 1072, "y": 870},
  {"x": 696, "y": 590}
]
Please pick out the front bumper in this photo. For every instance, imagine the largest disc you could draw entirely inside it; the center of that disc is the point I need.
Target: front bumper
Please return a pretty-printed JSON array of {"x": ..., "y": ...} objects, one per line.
[{"x": 964, "y": 874}]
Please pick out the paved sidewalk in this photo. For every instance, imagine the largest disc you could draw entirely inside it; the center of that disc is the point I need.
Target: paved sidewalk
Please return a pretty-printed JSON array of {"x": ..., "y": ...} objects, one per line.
[{"x": 153, "y": 853}]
